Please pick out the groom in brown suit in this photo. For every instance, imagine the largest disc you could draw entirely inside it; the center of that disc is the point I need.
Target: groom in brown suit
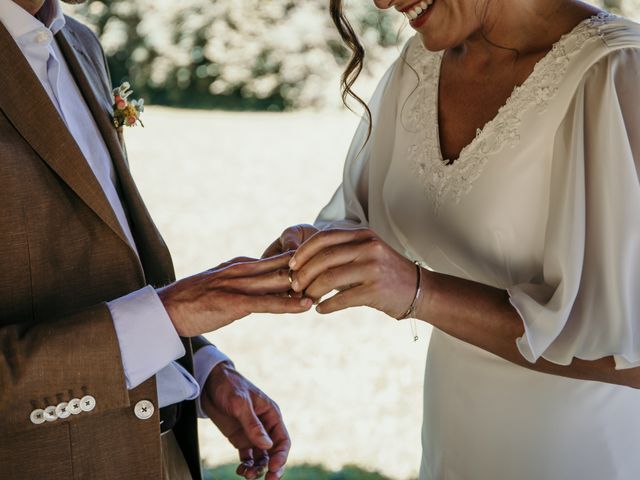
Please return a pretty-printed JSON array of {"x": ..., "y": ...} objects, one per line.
[{"x": 87, "y": 289}]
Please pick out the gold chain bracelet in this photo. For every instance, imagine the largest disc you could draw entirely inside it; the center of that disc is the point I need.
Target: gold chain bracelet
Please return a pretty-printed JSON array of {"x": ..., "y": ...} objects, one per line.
[{"x": 411, "y": 311}]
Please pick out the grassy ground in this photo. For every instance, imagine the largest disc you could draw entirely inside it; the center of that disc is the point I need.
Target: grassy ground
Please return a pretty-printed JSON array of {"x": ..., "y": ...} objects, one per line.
[{"x": 302, "y": 472}]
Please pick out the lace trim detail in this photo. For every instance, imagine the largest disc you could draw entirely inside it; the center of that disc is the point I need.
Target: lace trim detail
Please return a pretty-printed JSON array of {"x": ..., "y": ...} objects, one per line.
[{"x": 448, "y": 182}]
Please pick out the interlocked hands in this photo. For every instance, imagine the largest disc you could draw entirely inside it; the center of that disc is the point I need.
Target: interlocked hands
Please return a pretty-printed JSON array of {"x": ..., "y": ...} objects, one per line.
[{"x": 364, "y": 269}]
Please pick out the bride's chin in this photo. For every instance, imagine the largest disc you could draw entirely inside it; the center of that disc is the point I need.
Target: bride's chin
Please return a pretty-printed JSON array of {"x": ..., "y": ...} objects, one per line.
[
  {"x": 432, "y": 44},
  {"x": 439, "y": 39}
]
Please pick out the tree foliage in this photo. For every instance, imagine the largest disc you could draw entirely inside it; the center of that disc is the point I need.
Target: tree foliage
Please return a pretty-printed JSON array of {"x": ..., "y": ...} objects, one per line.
[
  {"x": 235, "y": 54},
  {"x": 244, "y": 54}
]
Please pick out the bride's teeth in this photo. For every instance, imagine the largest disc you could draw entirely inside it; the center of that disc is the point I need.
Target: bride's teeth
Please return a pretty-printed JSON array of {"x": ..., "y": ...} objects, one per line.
[{"x": 416, "y": 11}]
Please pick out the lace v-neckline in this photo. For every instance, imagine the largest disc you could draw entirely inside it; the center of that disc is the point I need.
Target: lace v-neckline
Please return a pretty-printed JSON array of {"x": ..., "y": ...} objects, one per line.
[
  {"x": 517, "y": 90},
  {"x": 449, "y": 182}
]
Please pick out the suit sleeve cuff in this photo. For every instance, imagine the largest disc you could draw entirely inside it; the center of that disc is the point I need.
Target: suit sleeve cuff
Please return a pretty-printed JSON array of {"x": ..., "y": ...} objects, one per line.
[
  {"x": 204, "y": 361},
  {"x": 148, "y": 340}
]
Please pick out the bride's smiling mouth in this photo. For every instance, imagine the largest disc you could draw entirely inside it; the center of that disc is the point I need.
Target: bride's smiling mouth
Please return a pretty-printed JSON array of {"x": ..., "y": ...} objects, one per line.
[{"x": 419, "y": 12}]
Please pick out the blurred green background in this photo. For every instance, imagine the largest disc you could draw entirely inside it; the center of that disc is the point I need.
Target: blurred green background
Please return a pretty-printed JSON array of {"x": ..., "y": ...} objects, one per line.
[
  {"x": 230, "y": 54},
  {"x": 242, "y": 54}
]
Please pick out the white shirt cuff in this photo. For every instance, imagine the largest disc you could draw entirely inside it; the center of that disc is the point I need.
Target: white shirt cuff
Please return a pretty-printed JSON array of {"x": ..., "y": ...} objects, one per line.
[
  {"x": 205, "y": 360},
  {"x": 148, "y": 340},
  {"x": 174, "y": 385}
]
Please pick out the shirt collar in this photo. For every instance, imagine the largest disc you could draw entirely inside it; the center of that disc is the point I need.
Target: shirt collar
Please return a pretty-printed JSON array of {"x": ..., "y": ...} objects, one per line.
[
  {"x": 52, "y": 16},
  {"x": 20, "y": 23}
]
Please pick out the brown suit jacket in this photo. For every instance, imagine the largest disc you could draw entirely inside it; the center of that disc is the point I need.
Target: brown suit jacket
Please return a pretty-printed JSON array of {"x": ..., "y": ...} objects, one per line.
[{"x": 63, "y": 255}]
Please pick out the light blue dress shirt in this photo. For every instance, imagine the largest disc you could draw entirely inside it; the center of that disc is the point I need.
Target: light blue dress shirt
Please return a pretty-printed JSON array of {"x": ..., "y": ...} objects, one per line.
[{"x": 148, "y": 341}]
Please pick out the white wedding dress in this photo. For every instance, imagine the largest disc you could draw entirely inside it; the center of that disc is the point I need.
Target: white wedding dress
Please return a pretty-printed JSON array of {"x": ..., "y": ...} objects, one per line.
[{"x": 544, "y": 203}]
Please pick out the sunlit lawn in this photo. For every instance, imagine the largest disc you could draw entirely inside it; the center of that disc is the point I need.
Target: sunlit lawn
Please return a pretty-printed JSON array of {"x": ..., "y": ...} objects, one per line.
[{"x": 221, "y": 185}]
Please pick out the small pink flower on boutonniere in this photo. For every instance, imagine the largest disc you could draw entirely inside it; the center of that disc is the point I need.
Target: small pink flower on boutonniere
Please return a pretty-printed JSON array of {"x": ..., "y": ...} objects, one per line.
[{"x": 126, "y": 113}]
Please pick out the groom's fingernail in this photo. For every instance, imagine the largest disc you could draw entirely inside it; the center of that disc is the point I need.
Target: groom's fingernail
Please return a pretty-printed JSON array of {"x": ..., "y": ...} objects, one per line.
[
  {"x": 306, "y": 303},
  {"x": 292, "y": 263}
]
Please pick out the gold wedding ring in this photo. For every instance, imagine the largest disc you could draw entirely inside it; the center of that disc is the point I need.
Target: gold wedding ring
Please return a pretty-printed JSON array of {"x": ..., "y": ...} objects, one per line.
[{"x": 290, "y": 277}]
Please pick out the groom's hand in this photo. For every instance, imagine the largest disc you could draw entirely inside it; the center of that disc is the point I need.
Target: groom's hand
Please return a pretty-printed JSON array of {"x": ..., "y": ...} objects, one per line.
[
  {"x": 249, "y": 419},
  {"x": 290, "y": 240},
  {"x": 233, "y": 290}
]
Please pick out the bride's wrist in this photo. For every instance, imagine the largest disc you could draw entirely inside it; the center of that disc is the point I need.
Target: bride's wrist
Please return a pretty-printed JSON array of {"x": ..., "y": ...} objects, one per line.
[
  {"x": 411, "y": 310},
  {"x": 424, "y": 306}
]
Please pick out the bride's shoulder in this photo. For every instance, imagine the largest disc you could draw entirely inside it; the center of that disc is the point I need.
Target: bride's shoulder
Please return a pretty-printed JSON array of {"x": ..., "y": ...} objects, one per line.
[
  {"x": 618, "y": 51},
  {"x": 617, "y": 32},
  {"x": 605, "y": 40},
  {"x": 599, "y": 62}
]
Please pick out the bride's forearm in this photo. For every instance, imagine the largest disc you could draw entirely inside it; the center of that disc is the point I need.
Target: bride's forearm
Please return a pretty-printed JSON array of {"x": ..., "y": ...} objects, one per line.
[{"x": 484, "y": 317}]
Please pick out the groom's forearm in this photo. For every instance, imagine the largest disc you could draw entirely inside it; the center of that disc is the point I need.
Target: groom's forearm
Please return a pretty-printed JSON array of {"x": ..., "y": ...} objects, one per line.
[{"x": 483, "y": 316}]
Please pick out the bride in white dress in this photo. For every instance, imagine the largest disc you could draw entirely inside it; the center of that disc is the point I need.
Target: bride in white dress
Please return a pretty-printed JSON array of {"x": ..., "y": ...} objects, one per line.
[{"x": 503, "y": 156}]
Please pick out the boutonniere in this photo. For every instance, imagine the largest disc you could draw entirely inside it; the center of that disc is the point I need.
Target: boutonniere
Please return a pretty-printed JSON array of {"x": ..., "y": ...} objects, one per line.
[{"x": 125, "y": 112}]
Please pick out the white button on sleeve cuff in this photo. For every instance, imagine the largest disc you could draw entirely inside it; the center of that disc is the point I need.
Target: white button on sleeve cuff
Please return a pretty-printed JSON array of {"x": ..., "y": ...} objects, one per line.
[
  {"x": 37, "y": 416},
  {"x": 87, "y": 403},
  {"x": 50, "y": 414},
  {"x": 148, "y": 340}
]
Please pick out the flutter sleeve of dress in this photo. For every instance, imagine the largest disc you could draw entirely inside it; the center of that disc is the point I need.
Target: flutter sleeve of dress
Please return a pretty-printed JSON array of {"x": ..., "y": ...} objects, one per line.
[
  {"x": 349, "y": 207},
  {"x": 587, "y": 303}
]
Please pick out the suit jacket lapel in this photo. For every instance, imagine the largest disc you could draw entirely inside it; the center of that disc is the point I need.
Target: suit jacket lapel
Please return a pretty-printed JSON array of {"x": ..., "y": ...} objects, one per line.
[
  {"x": 95, "y": 91},
  {"x": 27, "y": 105},
  {"x": 95, "y": 86}
]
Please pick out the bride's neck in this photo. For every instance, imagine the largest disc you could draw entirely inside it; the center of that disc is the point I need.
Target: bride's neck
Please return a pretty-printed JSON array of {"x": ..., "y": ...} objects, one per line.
[{"x": 526, "y": 27}]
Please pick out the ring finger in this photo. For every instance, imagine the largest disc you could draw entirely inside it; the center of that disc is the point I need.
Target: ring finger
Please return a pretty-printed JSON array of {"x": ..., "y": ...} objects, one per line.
[
  {"x": 339, "y": 278},
  {"x": 327, "y": 259}
]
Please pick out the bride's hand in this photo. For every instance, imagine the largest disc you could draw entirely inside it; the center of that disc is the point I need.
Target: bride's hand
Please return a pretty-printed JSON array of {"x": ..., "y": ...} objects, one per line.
[
  {"x": 290, "y": 240},
  {"x": 364, "y": 269}
]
